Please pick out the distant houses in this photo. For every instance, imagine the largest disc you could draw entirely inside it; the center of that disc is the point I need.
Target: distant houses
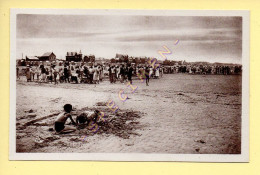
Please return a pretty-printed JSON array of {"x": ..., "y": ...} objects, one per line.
[
  {"x": 74, "y": 56},
  {"x": 32, "y": 58},
  {"x": 48, "y": 56},
  {"x": 89, "y": 58},
  {"x": 121, "y": 58}
]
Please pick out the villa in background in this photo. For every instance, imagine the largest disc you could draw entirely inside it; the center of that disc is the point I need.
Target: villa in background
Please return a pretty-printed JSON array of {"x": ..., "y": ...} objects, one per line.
[
  {"x": 48, "y": 56},
  {"x": 89, "y": 58},
  {"x": 74, "y": 56},
  {"x": 121, "y": 58}
]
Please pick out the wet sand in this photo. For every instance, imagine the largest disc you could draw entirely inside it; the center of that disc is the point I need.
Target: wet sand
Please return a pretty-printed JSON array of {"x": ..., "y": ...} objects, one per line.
[{"x": 178, "y": 113}]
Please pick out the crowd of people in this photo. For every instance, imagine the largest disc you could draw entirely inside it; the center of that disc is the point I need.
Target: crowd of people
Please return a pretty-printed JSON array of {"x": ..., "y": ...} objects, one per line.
[
  {"x": 82, "y": 73},
  {"x": 63, "y": 74},
  {"x": 88, "y": 74},
  {"x": 204, "y": 69},
  {"x": 124, "y": 73}
]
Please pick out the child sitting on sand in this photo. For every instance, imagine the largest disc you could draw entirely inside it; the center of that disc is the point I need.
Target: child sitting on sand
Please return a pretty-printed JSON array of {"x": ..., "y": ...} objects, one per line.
[{"x": 61, "y": 120}]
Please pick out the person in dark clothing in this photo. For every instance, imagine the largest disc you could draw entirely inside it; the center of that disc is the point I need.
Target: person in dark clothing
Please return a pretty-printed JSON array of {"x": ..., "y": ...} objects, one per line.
[
  {"x": 17, "y": 73},
  {"x": 91, "y": 73},
  {"x": 147, "y": 77},
  {"x": 55, "y": 75},
  {"x": 86, "y": 72},
  {"x": 43, "y": 72},
  {"x": 66, "y": 74},
  {"x": 28, "y": 73},
  {"x": 110, "y": 74},
  {"x": 122, "y": 73},
  {"x": 130, "y": 74},
  {"x": 113, "y": 72}
]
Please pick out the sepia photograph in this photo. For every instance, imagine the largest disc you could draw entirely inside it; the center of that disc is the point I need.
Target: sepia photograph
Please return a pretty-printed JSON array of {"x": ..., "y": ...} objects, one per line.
[{"x": 129, "y": 85}]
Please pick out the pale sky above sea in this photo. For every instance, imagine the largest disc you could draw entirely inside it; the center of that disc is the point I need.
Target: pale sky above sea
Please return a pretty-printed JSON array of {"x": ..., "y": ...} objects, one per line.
[{"x": 212, "y": 39}]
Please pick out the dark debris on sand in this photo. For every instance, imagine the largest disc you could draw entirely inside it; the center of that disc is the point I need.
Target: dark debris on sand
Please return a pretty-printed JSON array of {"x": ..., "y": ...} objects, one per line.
[
  {"x": 39, "y": 132},
  {"x": 122, "y": 124}
]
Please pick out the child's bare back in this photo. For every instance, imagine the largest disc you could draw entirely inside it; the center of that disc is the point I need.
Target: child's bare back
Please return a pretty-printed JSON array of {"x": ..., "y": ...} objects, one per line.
[{"x": 61, "y": 120}]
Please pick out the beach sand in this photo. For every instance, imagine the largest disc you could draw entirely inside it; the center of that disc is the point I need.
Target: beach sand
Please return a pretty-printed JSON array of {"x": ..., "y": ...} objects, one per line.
[{"x": 178, "y": 113}]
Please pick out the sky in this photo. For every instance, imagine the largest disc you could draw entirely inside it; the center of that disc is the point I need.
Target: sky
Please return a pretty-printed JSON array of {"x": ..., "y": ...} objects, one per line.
[{"x": 212, "y": 39}]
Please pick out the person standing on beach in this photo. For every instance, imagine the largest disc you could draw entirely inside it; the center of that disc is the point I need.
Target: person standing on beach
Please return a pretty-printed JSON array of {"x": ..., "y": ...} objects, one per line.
[
  {"x": 38, "y": 73},
  {"x": 86, "y": 71},
  {"x": 17, "y": 73},
  {"x": 95, "y": 75},
  {"x": 157, "y": 73},
  {"x": 66, "y": 74},
  {"x": 118, "y": 72},
  {"x": 98, "y": 74},
  {"x": 81, "y": 72},
  {"x": 122, "y": 73},
  {"x": 55, "y": 75},
  {"x": 51, "y": 74},
  {"x": 130, "y": 74},
  {"x": 43, "y": 73},
  {"x": 28, "y": 73},
  {"x": 150, "y": 71},
  {"x": 91, "y": 73},
  {"x": 161, "y": 71},
  {"x": 101, "y": 73},
  {"x": 110, "y": 74},
  {"x": 147, "y": 75},
  {"x": 113, "y": 72},
  {"x": 32, "y": 73}
]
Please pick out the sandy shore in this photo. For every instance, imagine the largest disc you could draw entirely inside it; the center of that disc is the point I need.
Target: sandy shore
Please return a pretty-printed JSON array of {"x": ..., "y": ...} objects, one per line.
[{"x": 178, "y": 113}]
